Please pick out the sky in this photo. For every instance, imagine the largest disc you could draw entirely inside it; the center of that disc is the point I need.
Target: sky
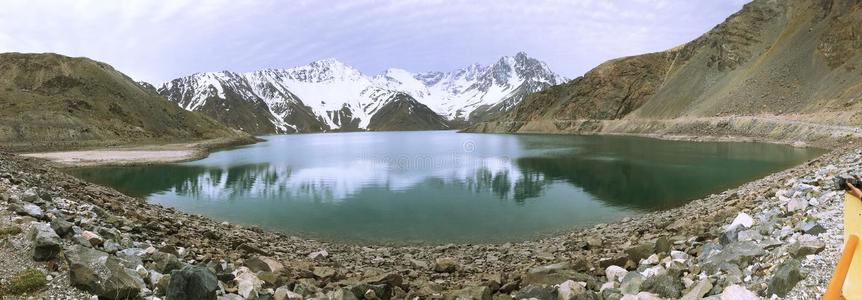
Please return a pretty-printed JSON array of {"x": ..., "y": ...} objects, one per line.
[{"x": 156, "y": 41}]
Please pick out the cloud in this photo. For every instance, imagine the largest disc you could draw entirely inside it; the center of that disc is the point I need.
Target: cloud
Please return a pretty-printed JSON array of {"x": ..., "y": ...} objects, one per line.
[{"x": 160, "y": 40}]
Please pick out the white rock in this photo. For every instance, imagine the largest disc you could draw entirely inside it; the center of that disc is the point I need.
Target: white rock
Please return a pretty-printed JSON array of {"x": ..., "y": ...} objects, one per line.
[
  {"x": 615, "y": 273},
  {"x": 654, "y": 271},
  {"x": 736, "y": 292},
  {"x": 142, "y": 271},
  {"x": 797, "y": 204},
  {"x": 318, "y": 254},
  {"x": 247, "y": 282},
  {"x": 569, "y": 289},
  {"x": 283, "y": 293},
  {"x": 651, "y": 260},
  {"x": 608, "y": 285},
  {"x": 679, "y": 255},
  {"x": 742, "y": 219}
]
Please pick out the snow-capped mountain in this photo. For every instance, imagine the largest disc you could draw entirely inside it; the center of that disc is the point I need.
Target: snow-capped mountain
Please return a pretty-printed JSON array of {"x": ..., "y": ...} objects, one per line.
[
  {"x": 475, "y": 91},
  {"x": 328, "y": 95}
]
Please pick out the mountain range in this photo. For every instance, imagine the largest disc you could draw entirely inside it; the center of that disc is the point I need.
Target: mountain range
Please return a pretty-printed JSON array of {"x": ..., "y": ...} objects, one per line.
[
  {"x": 782, "y": 64},
  {"x": 328, "y": 95}
]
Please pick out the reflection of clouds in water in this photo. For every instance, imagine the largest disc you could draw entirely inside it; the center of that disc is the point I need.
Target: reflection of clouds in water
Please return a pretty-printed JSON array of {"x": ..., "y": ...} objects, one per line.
[{"x": 335, "y": 183}]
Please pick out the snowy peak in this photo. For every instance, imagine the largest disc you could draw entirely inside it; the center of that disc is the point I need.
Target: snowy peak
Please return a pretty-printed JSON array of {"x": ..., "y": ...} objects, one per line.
[
  {"x": 325, "y": 70},
  {"x": 330, "y": 95}
]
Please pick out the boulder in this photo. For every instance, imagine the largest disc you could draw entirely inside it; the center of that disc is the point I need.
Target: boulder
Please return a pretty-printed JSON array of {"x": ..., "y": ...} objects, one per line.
[
  {"x": 470, "y": 293},
  {"x": 785, "y": 278},
  {"x": 796, "y": 204},
  {"x": 635, "y": 254},
  {"x": 738, "y": 253},
  {"x": 284, "y": 293},
  {"x": 192, "y": 282},
  {"x": 556, "y": 274},
  {"x": 165, "y": 262},
  {"x": 615, "y": 273},
  {"x": 46, "y": 243},
  {"x": 631, "y": 283},
  {"x": 102, "y": 274},
  {"x": 536, "y": 292},
  {"x": 391, "y": 279},
  {"x": 663, "y": 245},
  {"x": 749, "y": 235},
  {"x": 61, "y": 227},
  {"x": 812, "y": 228},
  {"x": 806, "y": 245},
  {"x": 248, "y": 285},
  {"x": 445, "y": 265},
  {"x": 265, "y": 264},
  {"x": 698, "y": 291},
  {"x": 665, "y": 286},
  {"x": 93, "y": 238},
  {"x": 337, "y": 294},
  {"x": 741, "y": 220},
  {"x": 28, "y": 209},
  {"x": 379, "y": 291},
  {"x": 730, "y": 235},
  {"x": 736, "y": 292},
  {"x": 569, "y": 289}
]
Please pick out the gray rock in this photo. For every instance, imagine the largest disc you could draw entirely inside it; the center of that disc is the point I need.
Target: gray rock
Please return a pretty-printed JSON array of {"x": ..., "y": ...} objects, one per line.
[
  {"x": 665, "y": 286},
  {"x": 165, "y": 262},
  {"x": 536, "y": 292},
  {"x": 738, "y": 253},
  {"x": 337, "y": 294},
  {"x": 806, "y": 245},
  {"x": 736, "y": 292},
  {"x": 663, "y": 245},
  {"x": 558, "y": 273},
  {"x": 698, "y": 290},
  {"x": 631, "y": 283},
  {"x": 28, "y": 209},
  {"x": 61, "y": 227},
  {"x": 471, "y": 293},
  {"x": 749, "y": 235},
  {"x": 265, "y": 264},
  {"x": 635, "y": 254},
  {"x": 785, "y": 278},
  {"x": 381, "y": 291},
  {"x": 102, "y": 274},
  {"x": 730, "y": 235},
  {"x": 192, "y": 282},
  {"x": 110, "y": 247},
  {"x": 46, "y": 243},
  {"x": 612, "y": 294},
  {"x": 445, "y": 265},
  {"x": 570, "y": 290},
  {"x": 812, "y": 228},
  {"x": 797, "y": 204}
]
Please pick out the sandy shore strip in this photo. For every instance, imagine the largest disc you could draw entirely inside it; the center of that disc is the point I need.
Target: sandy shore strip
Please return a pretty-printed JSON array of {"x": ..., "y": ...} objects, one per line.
[
  {"x": 101, "y": 157},
  {"x": 138, "y": 155}
]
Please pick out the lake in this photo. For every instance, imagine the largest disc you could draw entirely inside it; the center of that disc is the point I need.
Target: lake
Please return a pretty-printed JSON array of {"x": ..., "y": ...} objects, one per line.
[{"x": 443, "y": 186}]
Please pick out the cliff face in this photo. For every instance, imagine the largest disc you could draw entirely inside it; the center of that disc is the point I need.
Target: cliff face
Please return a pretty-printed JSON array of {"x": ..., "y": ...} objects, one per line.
[{"x": 772, "y": 58}]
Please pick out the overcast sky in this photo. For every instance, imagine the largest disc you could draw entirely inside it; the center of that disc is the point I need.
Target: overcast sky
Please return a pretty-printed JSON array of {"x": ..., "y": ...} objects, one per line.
[{"x": 156, "y": 41}]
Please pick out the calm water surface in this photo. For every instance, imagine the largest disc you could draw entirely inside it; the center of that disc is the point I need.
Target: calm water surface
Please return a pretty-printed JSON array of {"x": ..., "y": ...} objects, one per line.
[{"x": 445, "y": 186}]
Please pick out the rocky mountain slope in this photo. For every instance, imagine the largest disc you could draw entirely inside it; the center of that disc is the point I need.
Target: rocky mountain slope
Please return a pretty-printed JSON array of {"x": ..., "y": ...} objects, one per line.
[
  {"x": 54, "y": 101},
  {"x": 328, "y": 95},
  {"x": 792, "y": 59}
]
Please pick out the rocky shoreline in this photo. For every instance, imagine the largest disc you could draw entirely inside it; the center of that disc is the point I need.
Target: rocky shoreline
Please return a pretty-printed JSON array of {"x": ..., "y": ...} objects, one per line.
[{"x": 115, "y": 246}]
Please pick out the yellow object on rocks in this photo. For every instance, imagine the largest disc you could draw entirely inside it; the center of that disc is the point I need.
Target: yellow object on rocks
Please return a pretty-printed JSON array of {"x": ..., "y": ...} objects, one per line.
[{"x": 853, "y": 226}]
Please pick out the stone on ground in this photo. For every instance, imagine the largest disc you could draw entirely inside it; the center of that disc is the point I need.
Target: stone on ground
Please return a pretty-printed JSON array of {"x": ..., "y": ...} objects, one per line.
[
  {"x": 192, "y": 282},
  {"x": 785, "y": 278},
  {"x": 46, "y": 243}
]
